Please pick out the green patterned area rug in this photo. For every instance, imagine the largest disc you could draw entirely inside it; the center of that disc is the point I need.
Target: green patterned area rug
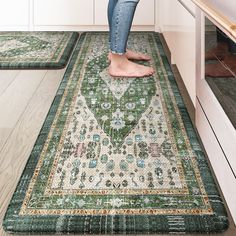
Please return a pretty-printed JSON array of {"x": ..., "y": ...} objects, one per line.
[
  {"x": 36, "y": 50},
  {"x": 116, "y": 156}
]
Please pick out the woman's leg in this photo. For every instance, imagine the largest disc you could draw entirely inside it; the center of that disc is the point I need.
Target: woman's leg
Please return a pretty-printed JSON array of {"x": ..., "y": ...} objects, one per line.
[
  {"x": 120, "y": 16},
  {"x": 110, "y": 10},
  {"x": 122, "y": 19},
  {"x": 129, "y": 54}
]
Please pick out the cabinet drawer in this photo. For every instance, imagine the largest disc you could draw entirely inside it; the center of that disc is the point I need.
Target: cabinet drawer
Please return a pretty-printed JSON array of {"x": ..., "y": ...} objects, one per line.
[
  {"x": 14, "y": 12},
  {"x": 220, "y": 123},
  {"x": 218, "y": 160},
  {"x": 63, "y": 12},
  {"x": 144, "y": 14}
]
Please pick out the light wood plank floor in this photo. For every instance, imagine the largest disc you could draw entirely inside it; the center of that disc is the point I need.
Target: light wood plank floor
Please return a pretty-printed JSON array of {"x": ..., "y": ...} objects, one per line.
[{"x": 25, "y": 98}]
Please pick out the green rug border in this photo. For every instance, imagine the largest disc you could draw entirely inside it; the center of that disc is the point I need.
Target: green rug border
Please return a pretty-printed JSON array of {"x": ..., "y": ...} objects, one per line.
[
  {"x": 45, "y": 65},
  {"x": 117, "y": 224}
]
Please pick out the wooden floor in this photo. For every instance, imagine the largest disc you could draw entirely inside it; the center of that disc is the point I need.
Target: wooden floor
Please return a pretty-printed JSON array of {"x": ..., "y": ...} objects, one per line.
[{"x": 25, "y": 98}]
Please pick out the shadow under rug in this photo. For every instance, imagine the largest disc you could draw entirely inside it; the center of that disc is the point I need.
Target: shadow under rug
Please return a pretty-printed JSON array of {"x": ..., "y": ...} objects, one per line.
[
  {"x": 36, "y": 50},
  {"x": 116, "y": 156}
]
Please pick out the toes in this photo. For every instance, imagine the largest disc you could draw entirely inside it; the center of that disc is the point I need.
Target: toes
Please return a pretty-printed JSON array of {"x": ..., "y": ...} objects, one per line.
[
  {"x": 147, "y": 58},
  {"x": 149, "y": 72}
]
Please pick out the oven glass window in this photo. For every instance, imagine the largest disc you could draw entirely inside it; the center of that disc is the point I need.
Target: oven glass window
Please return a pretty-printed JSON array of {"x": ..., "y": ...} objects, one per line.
[{"x": 220, "y": 67}]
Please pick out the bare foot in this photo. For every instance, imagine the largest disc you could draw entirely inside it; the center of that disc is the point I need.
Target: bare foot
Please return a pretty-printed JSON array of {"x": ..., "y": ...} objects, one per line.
[
  {"x": 131, "y": 55},
  {"x": 121, "y": 67},
  {"x": 217, "y": 52}
]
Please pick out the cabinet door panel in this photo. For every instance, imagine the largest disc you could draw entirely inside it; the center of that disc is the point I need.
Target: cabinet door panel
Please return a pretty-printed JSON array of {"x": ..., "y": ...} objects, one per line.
[
  {"x": 14, "y": 12},
  {"x": 63, "y": 12},
  {"x": 179, "y": 30},
  {"x": 144, "y": 14}
]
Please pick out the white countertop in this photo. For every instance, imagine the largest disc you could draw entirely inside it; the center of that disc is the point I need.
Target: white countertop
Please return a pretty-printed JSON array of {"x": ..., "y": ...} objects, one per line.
[
  {"x": 227, "y": 7},
  {"x": 222, "y": 11}
]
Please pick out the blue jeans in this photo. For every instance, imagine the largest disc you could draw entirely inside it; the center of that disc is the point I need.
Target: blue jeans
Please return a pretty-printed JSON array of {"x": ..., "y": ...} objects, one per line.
[{"x": 120, "y": 17}]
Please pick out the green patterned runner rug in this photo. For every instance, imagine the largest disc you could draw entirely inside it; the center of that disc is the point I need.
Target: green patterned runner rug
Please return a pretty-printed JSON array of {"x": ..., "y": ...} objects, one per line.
[
  {"x": 116, "y": 156},
  {"x": 36, "y": 50}
]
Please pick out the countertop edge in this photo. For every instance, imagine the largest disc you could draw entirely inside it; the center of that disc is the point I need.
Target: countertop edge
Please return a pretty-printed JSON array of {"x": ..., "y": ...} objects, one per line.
[{"x": 215, "y": 14}]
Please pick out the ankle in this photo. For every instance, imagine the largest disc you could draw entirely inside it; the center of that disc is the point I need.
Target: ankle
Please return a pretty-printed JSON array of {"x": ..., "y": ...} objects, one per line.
[
  {"x": 116, "y": 56},
  {"x": 117, "y": 60}
]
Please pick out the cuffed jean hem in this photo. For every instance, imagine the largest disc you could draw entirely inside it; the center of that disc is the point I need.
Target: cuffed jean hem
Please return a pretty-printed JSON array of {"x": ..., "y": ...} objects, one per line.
[
  {"x": 120, "y": 15},
  {"x": 117, "y": 53}
]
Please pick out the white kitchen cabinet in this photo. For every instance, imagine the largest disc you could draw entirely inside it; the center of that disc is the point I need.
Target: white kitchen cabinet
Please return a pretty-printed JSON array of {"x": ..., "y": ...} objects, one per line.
[
  {"x": 219, "y": 162},
  {"x": 63, "y": 12},
  {"x": 73, "y": 15},
  {"x": 212, "y": 122},
  {"x": 13, "y": 13},
  {"x": 177, "y": 24},
  {"x": 145, "y": 13}
]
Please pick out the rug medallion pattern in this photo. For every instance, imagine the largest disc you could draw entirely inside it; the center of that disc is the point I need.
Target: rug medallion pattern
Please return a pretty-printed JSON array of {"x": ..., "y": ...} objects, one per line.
[
  {"x": 23, "y": 50},
  {"x": 120, "y": 149}
]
